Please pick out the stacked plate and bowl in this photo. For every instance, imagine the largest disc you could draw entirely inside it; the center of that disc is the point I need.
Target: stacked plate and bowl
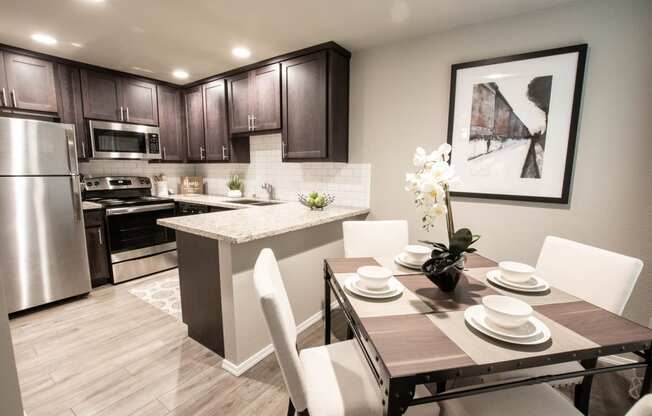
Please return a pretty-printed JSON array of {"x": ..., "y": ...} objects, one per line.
[{"x": 374, "y": 282}]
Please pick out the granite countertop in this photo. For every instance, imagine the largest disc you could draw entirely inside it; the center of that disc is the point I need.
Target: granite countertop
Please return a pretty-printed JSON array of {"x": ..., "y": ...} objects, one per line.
[
  {"x": 256, "y": 222},
  {"x": 87, "y": 205}
]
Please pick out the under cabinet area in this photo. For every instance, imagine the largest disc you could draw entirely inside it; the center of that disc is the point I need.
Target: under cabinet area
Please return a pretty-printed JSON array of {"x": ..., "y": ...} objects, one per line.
[
  {"x": 109, "y": 97},
  {"x": 96, "y": 245},
  {"x": 27, "y": 83}
]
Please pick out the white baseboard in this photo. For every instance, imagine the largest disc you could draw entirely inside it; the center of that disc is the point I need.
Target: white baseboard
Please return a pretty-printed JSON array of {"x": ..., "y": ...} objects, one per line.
[{"x": 238, "y": 369}]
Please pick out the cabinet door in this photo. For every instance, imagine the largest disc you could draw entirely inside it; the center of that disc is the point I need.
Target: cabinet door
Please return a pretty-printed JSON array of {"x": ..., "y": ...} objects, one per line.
[
  {"x": 30, "y": 82},
  {"x": 139, "y": 101},
  {"x": 101, "y": 96},
  {"x": 215, "y": 121},
  {"x": 71, "y": 107},
  {"x": 239, "y": 110},
  {"x": 4, "y": 90},
  {"x": 169, "y": 119},
  {"x": 305, "y": 133},
  {"x": 194, "y": 106},
  {"x": 98, "y": 261},
  {"x": 266, "y": 102}
]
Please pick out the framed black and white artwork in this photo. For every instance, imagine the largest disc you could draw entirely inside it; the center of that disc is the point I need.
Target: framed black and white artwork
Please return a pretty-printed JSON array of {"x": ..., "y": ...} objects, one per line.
[{"x": 512, "y": 124}]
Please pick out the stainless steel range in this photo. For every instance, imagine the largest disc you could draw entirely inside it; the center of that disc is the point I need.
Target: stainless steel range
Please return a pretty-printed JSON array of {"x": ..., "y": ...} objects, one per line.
[{"x": 138, "y": 246}]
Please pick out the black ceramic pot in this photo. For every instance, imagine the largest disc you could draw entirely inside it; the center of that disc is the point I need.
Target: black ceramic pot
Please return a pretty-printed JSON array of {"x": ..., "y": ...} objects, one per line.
[{"x": 446, "y": 279}]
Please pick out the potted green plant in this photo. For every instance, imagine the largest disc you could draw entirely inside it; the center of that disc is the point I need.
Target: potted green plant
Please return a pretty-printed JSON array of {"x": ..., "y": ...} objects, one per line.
[
  {"x": 431, "y": 188},
  {"x": 235, "y": 186}
]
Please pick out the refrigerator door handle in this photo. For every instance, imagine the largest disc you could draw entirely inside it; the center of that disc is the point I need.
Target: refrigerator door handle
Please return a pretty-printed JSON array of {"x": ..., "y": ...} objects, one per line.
[
  {"x": 72, "y": 152},
  {"x": 76, "y": 198}
]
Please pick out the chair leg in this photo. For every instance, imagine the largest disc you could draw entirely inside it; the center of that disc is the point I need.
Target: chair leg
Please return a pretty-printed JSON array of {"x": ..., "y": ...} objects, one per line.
[
  {"x": 327, "y": 309},
  {"x": 291, "y": 408},
  {"x": 647, "y": 378},
  {"x": 583, "y": 391}
]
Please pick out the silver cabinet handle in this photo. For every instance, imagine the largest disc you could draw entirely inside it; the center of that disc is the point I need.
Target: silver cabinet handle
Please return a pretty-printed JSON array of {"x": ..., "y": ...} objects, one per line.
[
  {"x": 224, "y": 155},
  {"x": 201, "y": 152},
  {"x": 164, "y": 153},
  {"x": 122, "y": 110},
  {"x": 127, "y": 113},
  {"x": 83, "y": 148},
  {"x": 13, "y": 97},
  {"x": 248, "y": 121},
  {"x": 4, "y": 98},
  {"x": 99, "y": 235},
  {"x": 285, "y": 148},
  {"x": 253, "y": 122}
]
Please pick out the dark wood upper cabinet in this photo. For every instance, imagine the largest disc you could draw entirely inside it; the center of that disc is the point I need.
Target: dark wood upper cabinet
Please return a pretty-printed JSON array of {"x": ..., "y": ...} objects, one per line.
[
  {"x": 304, "y": 107},
  {"x": 315, "y": 107},
  {"x": 266, "y": 103},
  {"x": 139, "y": 101},
  {"x": 108, "y": 97},
  {"x": 194, "y": 110},
  {"x": 170, "y": 125},
  {"x": 216, "y": 121},
  {"x": 29, "y": 83},
  {"x": 101, "y": 96},
  {"x": 255, "y": 100},
  {"x": 239, "y": 108},
  {"x": 71, "y": 110}
]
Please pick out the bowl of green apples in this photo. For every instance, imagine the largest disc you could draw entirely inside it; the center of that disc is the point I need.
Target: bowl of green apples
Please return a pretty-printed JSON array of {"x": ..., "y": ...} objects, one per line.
[{"x": 316, "y": 200}]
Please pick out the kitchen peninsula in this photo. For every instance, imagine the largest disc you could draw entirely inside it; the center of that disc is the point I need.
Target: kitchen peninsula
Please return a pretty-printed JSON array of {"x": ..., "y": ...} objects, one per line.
[{"x": 217, "y": 252}]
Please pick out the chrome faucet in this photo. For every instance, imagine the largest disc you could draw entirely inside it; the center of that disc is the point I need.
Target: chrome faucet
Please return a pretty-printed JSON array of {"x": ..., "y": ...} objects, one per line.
[{"x": 270, "y": 190}]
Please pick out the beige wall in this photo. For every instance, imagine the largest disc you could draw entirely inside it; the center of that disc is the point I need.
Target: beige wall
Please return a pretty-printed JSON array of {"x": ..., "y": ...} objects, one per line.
[{"x": 399, "y": 100}]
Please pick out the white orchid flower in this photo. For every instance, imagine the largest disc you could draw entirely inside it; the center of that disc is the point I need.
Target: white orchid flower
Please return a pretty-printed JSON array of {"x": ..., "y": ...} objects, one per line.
[
  {"x": 420, "y": 158},
  {"x": 445, "y": 151},
  {"x": 411, "y": 182}
]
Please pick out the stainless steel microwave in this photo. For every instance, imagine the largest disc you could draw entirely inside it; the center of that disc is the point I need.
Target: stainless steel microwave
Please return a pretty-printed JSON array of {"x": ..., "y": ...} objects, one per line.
[{"x": 124, "y": 141}]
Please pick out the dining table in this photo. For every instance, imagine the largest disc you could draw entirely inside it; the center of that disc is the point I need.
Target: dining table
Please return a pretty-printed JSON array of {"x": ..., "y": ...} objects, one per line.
[{"x": 421, "y": 337}]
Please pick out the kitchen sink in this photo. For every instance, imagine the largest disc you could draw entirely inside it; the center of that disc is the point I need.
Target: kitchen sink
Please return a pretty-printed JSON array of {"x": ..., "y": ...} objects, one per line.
[{"x": 256, "y": 202}]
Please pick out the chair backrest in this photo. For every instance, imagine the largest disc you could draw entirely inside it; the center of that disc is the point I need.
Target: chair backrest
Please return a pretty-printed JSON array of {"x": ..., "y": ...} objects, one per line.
[
  {"x": 601, "y": 277},
  {"x": 281, "y": 324},
  {"x": 643, "y": 407},
  {"x": 374, "y": 238}
]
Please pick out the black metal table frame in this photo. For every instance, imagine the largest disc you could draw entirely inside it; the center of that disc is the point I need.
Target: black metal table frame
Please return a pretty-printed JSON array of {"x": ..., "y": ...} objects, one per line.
[{"x": 399, "y": 393}]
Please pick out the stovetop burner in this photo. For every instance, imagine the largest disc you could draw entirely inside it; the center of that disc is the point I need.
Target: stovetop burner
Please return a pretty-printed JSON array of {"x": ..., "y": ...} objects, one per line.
[{"x": 138, "y": 200}]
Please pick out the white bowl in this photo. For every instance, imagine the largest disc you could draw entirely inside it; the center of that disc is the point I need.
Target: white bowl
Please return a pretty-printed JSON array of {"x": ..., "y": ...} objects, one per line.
[
  {"x": 374, "y": 277},
  {"x": 515, "y": 272},
  {"x": 416, "y": 253},
  {"x": 506, "y": 311}
]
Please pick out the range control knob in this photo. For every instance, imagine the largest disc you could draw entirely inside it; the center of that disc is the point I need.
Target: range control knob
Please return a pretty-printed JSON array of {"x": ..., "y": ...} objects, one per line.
[
  {"x": 97, "y": 183},
  {"x": 89, "y": 183}
]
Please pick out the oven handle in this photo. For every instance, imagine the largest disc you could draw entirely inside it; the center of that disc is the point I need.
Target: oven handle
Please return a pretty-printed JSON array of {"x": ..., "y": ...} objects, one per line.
[{"x": 142, "y": 208}]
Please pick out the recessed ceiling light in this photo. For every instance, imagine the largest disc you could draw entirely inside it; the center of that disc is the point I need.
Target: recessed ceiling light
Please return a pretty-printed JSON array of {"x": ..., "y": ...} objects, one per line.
[
  {"x": 43, "y": 38},
  {"x": 77, "y": 45},
  {"x": 241, "y": 52},
  {"x": 180, "y": 73}
]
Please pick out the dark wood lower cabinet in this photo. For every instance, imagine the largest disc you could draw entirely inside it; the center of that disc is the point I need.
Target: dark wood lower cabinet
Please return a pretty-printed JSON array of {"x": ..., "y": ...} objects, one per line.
[{"x": 96, "y": 245}]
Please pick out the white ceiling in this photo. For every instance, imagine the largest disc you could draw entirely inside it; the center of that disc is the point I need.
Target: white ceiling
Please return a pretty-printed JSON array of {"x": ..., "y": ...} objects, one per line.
[{"x": 154, "y": 37}]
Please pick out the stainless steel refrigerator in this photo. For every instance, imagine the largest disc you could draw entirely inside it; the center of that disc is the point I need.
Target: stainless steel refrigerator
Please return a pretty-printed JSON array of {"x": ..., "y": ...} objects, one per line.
[{"x": 43, "y": 254}]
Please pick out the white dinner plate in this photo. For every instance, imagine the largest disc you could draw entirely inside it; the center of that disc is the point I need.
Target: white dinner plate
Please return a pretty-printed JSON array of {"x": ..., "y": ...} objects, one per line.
[
  {"x": 542, "y": 334},
  {"x": 534, "y": 285},
  {"x": 395, "y": 288},
  {"x": 401, "y": 260},
  {"x": 382, "y": 291},
  {"x": 527, "y": 330}
]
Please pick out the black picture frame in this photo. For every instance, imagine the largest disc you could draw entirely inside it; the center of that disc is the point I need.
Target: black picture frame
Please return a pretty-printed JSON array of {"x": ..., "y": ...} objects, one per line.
[{"x": 581, "y": 50}]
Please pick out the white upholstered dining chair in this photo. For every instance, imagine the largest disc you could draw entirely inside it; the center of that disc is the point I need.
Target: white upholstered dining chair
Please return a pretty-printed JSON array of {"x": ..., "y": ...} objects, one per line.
[
  {"x": 598, "y": 276},
  {"x": 332, "y": 380},
  {"x": 374, "y": 238}
]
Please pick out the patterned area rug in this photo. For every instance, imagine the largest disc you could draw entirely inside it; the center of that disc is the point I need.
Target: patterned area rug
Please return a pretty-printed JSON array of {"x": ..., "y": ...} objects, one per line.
[{"x": 162, "y": 293}]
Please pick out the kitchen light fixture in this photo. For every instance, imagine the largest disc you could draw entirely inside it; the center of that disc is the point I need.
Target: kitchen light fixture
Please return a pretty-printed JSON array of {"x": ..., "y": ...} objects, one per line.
[
  {"x": 180, "y": 73},
  {"x": 77, "y": 45},
  {"x": 241, "y": 52},
  {"x": 43, "y": 38}
]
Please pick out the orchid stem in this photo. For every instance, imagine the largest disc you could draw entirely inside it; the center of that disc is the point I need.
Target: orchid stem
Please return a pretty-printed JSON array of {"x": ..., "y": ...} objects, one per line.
[{"x": 449, "y": 214}]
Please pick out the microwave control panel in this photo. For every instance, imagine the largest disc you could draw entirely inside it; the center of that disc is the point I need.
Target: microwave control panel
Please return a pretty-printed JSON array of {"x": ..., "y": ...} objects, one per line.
[{"x": 153, "y": 143}]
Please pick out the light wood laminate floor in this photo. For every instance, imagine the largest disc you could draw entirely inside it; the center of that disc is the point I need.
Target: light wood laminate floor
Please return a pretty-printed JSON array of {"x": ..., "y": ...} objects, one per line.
[{"x": 112, "y": 353}]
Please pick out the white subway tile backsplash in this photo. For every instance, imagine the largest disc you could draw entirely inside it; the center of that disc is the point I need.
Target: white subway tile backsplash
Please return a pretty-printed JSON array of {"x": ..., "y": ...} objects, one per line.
[{"x": 349, "y": 183}]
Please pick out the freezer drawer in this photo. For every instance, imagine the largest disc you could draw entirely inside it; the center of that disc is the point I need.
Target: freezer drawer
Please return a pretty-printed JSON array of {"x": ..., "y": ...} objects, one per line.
[{"x": 44, "y": 254}]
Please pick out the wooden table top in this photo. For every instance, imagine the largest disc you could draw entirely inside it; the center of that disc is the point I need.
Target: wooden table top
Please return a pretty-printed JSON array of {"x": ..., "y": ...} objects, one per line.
[{"x": 423, "y": 332}]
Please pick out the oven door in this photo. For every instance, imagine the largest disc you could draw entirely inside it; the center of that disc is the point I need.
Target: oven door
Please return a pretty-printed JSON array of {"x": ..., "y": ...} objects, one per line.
[
  {"x": 123, "y": 141},
  {"x": 134, "y": 229}
]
